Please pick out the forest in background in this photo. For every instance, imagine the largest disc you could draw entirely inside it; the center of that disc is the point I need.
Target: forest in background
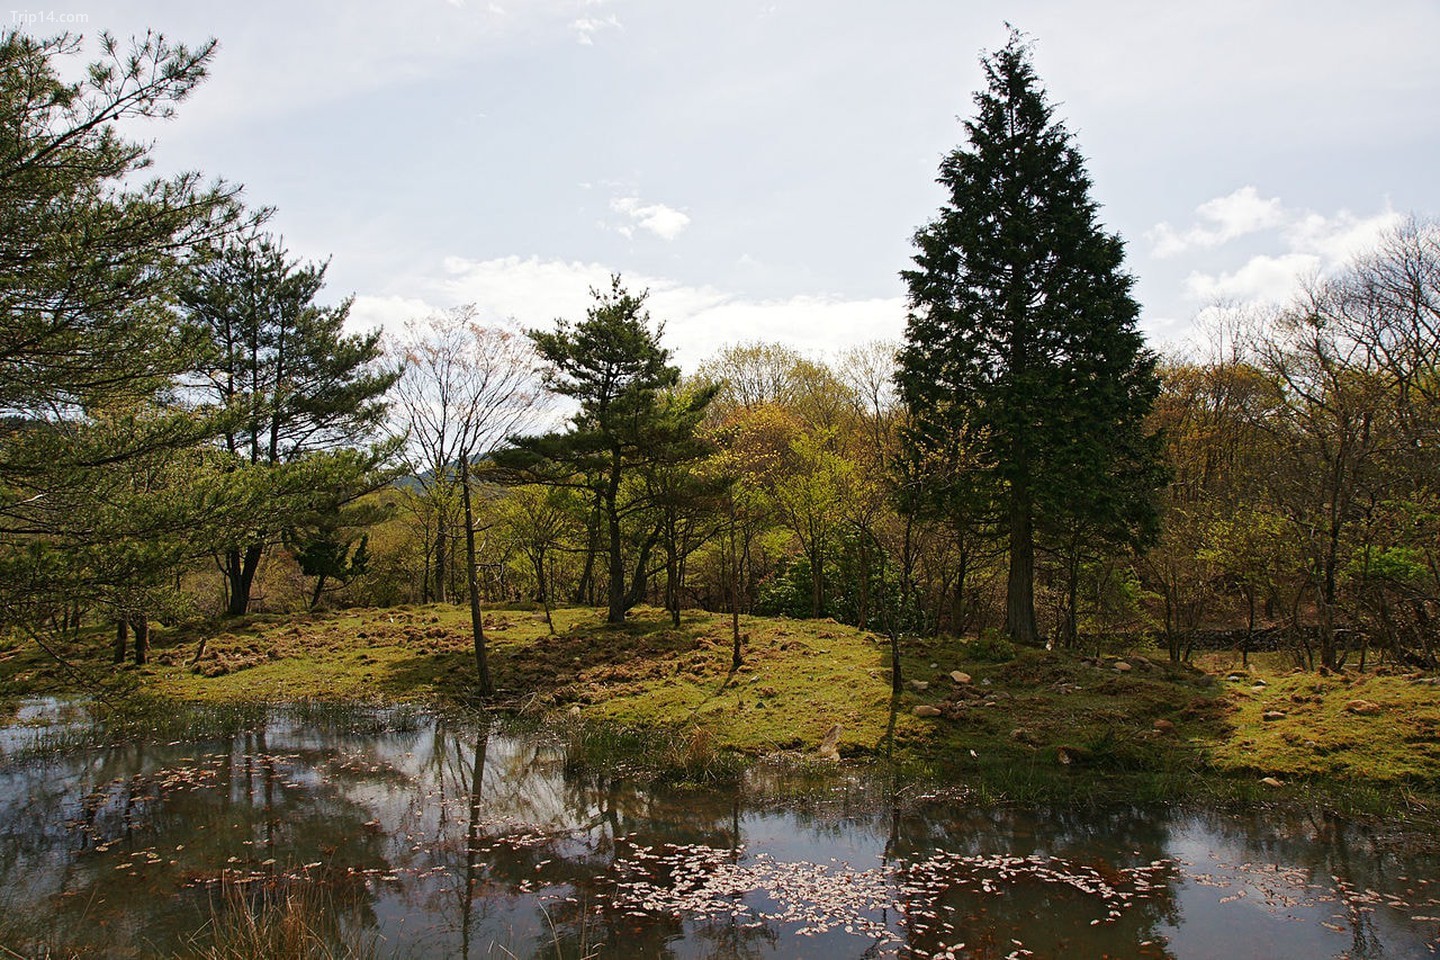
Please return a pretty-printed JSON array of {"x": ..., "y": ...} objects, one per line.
[{"x": 189, "y": 431}]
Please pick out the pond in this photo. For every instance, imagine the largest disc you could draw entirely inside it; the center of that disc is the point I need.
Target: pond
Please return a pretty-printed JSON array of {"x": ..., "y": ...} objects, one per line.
[{"x": 417, "y": 836}]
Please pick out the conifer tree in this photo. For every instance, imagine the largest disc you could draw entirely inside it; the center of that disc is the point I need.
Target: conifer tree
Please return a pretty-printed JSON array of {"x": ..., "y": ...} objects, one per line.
[
  {"x": 1025, "y": 378},
  {"x": 302, "y": 397},
  {"x": 633, "y": 418}
]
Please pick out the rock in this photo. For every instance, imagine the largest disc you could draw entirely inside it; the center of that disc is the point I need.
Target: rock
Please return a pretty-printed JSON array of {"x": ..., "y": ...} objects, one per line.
[
  {"x": 1272, "y": 782},
  {"x": 1272, "y": 715},
  {"x": 1260, "y": 683},
  {"x": 575, "y": 710},
  {"x": 926, "y": 710},
  {"x": 1236, "y": 677},
  {"x": 1123, "y": 667},
  {"x": 934, "y": 666},
  {"x": 830, "y": 744},
  {"x": 1365, "y": 708},
  {"x": 959, "y": 676},
  {"x": 920, "y": 684},
  {"x": 1163, "y": 726}
]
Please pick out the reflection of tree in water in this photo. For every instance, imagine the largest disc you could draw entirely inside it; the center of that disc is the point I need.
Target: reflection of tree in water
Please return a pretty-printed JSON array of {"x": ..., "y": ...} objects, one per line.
[
  {"x": 107, "y": 838},
  {"x": 511, "y": 820},
  {"x": 449, "y": 839},
  {"x": 1036, "y": 878},
  {"x": 1352, "y": 873}
]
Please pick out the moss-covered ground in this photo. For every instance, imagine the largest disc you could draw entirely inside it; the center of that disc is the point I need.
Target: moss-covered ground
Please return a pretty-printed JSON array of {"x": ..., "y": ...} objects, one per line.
[{"x": 1024, "y": 724}]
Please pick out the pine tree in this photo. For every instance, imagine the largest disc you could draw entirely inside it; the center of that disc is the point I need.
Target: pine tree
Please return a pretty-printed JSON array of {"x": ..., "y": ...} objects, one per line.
[
  {"x": 633, "y": 418},
  {"x": 301, "y": 396},
  {"x": 94, "y": 504},
  {"x": 1025, "y": 378}
]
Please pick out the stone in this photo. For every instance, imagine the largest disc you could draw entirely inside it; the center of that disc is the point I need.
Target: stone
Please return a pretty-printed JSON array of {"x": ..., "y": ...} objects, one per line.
[
  {"x": 1272, "y": 715},
  {"x": 1123, "y": 667},
  {"x": 920, "y": 684},
  {"x": 575, "y": 710},
  {"x": 959, "y": 676},
  {"x": 1364, "y": 708},
  {"x": 829, "y": 748},
  {"x": 1272, "y": 782},
  {"x": 934, "y": 666},
  {"x": 1163, "y": 726},
  {"x": 926, "y": 710}
]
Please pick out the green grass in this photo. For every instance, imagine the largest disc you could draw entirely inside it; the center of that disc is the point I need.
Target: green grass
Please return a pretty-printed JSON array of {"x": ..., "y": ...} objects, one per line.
[{"x": 1319, "y": 737}]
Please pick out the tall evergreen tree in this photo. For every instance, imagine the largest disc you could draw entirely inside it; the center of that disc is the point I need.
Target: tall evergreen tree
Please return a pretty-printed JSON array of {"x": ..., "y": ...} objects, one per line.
[{"x": 1026, "y": 380}]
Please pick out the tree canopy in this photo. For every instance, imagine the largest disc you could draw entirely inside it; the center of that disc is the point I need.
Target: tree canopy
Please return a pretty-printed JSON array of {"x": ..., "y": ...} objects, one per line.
[{"x": 1025, "y": 378}]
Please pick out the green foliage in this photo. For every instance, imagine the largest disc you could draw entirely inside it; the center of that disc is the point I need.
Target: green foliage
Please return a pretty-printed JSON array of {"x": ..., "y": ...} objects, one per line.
[
  {"x": 89, "y": 255},
  {"x": 300, "y": 396},
  {"x": 1026, "y": 380},
  {"x": 633, "y": 422},
  {"x": 94, "y": 504},
  {"x": 991, "y": 646}
]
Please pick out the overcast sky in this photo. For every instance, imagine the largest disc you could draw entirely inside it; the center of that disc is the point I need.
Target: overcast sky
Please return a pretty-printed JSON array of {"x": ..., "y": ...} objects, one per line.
[{"x": 761, "y": 166}]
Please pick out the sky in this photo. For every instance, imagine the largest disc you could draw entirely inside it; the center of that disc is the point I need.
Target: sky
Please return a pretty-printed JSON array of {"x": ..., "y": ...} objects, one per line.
[{"x": 760, "y": 166}]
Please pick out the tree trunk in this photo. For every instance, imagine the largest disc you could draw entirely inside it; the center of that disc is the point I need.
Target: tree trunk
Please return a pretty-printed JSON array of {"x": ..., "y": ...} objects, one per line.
[
  {"x": 863, "y": 613},
  {"x": 734, "y": 583},
  {"x": 319, "y": 589},
  {"x": 1020, "y": 585},
  {"x": 672, "y": 584},
  {"x": 616, "y": 613},
  {"x": 538, "y": 559},
  {"x": 441, "y": 556},
  {"x": 472, "y": 839},
  {"x": 477, "y": 619},
  {"x": 141, "y": 628},
  {"x": 120, "y": 637},
  {"x": 585, "y": 588},
  {"x": 240, "y": 575},
  {"x": 1072, "y": 599}
]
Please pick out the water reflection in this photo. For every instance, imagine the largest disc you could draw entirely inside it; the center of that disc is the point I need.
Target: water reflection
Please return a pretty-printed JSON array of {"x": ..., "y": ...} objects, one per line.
[{"x": 445, "y": 838}]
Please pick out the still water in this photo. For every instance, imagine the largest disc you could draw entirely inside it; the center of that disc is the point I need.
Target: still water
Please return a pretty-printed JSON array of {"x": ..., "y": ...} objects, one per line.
[{"x": 427, "y": 837}]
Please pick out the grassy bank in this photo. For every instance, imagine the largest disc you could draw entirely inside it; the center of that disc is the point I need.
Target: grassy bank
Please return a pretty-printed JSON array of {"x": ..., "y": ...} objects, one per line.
[{"x": 1006, "y": 723}]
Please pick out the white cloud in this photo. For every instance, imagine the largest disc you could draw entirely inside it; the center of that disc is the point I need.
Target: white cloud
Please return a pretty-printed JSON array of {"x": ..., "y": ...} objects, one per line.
[
  {"x": 1312, "y": 245},
  {"x": 665, "y": 222},
  {"x": 586, "y": 27},
  {"x": 1221, "y": 220},
  {"x": 1263, "y": 277},
  {"x": 1339, "y": 238},
  {"x": 387, "y": 313},
  {"x": 699, "y": 320}
]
